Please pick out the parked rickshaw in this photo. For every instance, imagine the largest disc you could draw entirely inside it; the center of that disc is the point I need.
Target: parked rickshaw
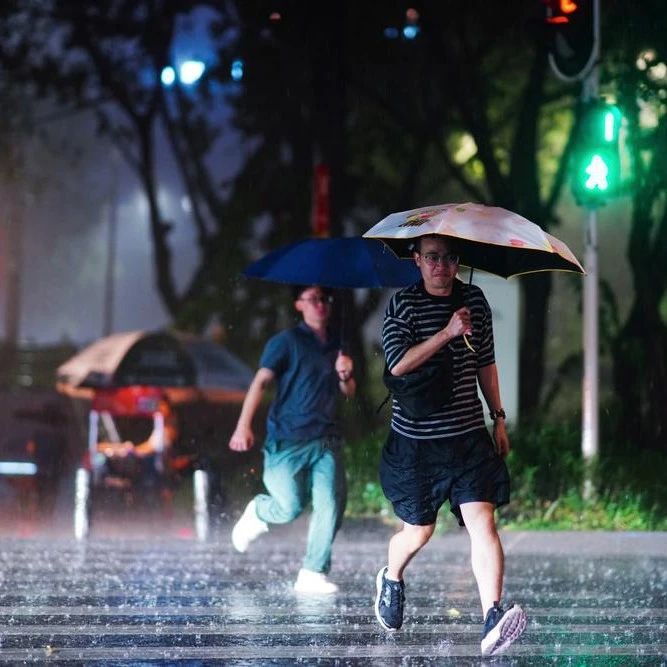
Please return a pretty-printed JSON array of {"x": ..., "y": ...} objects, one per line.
[
  {"x": 135, "y": 381},
  {"x": 149, "y": 466}
]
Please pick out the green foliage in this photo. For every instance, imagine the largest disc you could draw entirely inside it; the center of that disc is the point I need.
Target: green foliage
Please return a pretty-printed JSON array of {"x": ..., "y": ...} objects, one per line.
[
  {"x": 548, "y": 475},
  {"x": 365, "y": 497}
]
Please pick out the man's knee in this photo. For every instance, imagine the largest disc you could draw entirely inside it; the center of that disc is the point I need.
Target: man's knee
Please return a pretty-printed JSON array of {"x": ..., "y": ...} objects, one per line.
[
  {"x": 417, "y": 536},
  {"x": 479, "y": 519},
  {"x": 288, "y": 512}
]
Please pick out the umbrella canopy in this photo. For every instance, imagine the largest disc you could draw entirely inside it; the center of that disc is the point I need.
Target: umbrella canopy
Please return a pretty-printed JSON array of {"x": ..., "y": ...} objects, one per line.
[
  {"x": 488, "y": 238},
  {"x": 335, "y": 262},
  {"x": 186, "y": 367}
]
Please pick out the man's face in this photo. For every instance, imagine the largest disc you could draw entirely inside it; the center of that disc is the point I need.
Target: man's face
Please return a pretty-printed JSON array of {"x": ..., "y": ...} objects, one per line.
[
  {"x": 437, "y": 264},
  {"x": 314, "y": 305}
]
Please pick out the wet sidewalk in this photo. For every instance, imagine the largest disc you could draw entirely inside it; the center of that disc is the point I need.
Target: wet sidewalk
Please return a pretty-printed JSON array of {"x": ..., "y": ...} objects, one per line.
[{"x": 591, "y": 599}]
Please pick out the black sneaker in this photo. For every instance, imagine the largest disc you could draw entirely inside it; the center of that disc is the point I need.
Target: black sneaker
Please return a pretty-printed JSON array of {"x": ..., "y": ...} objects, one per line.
[
  {"x": 502, "y": 628},
  {"x": 389, "y": 601}
]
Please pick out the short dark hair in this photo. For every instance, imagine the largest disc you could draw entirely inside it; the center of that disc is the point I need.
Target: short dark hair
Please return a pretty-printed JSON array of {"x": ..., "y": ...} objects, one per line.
[
  {"x": 415, "y": 246},
  {"x": 298, "y": 290}
]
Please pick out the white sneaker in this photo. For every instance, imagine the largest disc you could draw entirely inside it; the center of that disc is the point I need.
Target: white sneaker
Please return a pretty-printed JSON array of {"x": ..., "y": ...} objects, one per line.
[
  {"x": 315, "y": 583},
  {"x": 248, "y": 528}
]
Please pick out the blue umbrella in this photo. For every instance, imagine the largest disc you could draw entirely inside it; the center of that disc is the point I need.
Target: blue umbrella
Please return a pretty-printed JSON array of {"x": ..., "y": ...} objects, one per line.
[{"x": 350, "y": 261}]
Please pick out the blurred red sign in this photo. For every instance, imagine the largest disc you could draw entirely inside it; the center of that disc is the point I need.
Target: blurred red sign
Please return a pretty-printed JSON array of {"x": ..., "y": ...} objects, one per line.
[{"x": 321, "y": 219}]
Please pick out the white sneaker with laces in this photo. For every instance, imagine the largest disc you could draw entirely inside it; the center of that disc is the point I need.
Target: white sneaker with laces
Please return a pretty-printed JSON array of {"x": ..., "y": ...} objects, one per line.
[
  {"x": 248, "y": 528},
  {"x": 315, "y": 583}
]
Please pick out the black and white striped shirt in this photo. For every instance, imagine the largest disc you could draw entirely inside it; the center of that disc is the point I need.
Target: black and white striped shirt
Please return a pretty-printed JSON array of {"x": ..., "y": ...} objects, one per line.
[{"x": 412, "y": 316}]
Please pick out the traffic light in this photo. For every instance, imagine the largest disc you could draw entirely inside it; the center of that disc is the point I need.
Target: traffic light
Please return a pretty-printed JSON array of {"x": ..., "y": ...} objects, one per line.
[
  {"x": 573, "y": 36},
  {"x": 596, "y": 159}
]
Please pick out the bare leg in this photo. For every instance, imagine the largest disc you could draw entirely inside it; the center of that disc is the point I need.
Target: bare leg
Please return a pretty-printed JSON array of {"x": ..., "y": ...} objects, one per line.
[
  {"x": 404, "y": 545},
  {"x": 486, "y": 552}
]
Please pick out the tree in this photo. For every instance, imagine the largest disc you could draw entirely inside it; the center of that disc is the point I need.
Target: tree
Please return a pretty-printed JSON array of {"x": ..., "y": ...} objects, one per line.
[
  {"x": 636, "y": 70},
  {"x": 101, "y": 56}
]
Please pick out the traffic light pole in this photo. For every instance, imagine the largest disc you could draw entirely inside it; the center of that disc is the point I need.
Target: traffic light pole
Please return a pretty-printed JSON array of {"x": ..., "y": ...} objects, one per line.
[
  {"x": 590, "y": 410},
  {"x": 574, "y": 57},
  {"x": 590, "y": 403}
]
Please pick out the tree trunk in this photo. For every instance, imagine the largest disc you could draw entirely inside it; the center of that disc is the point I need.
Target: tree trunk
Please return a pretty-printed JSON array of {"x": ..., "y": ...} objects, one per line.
[{"x": 536, "y": 291}]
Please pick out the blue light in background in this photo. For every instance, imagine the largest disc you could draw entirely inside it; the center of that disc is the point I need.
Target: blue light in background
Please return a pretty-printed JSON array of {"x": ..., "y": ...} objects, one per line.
[
  {"x": 17, "y": 468},
  {"x": 168, "y": 76},
  {"x": 236, "y": 70},
  {"x": 410, "y": 31},
  {"x": 191, "y": 71},
  {"x": 391, "y": 32}
]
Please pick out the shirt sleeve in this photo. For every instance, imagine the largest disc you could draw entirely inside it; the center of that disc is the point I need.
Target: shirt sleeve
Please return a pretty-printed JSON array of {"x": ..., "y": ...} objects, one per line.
[
  {"x": 275, "y": 356},
  {"x": 397, "y": 337}
]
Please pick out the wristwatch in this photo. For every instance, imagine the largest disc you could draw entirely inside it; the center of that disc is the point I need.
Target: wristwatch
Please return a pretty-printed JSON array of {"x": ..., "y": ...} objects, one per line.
[{"x": 497, "y": 414}]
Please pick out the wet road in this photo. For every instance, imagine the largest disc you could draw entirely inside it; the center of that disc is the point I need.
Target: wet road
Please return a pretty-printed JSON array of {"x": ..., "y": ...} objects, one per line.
[{"x": 590, "y": 599}]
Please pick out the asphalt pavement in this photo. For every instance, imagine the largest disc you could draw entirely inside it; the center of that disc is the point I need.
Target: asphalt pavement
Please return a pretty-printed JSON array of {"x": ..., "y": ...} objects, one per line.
[{"x": 145, "y": 593}]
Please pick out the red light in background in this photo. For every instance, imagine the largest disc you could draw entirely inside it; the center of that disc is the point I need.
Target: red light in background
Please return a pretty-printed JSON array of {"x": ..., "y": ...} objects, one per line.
[{"x": 559, "y": 10}]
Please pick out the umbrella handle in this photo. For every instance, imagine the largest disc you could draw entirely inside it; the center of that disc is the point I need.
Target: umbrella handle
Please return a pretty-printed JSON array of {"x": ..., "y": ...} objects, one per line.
[{"x": 465, "y": 337}]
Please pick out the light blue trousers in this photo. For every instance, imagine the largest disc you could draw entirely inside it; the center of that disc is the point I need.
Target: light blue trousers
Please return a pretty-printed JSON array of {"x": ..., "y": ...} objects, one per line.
[{"x": 296, "y": 473}]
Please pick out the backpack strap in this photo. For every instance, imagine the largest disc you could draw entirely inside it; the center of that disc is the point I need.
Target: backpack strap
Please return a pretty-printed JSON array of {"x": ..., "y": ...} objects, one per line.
[{"x": 384, "y": 402}]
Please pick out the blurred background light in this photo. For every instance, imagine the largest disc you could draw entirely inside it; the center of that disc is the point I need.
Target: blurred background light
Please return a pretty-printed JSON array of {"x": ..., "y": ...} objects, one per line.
[
  {"x": 410, "y": 31},
  {"x": 191, "y": 71},
  {"x": 168, "y": 76},
  {"x": 236, "y": 70}
]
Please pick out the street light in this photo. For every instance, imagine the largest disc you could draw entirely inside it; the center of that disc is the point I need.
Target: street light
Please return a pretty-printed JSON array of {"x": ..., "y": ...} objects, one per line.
[{"x": 188, "y": 73}]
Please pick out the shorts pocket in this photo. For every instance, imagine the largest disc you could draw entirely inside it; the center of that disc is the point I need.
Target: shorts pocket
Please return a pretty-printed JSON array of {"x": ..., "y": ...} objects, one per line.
[{"x": 400, "y": 454}]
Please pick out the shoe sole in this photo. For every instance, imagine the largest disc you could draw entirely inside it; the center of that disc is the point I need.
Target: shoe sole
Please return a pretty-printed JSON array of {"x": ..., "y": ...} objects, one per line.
[
  {"x": 304, "y": 591},
  {"x": 509, "y": 629},
  {"x": 378, "y": 593},
  {"x": 239, "y": 547}
]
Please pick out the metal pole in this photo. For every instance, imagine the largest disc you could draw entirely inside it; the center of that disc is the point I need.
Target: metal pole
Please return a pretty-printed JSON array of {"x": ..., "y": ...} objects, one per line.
[
  {"x": 112, "y": 242},
  {"x": 14, "y": 248},
  {"x": 589, "y": 424},
  {"x": 589, "y": 76},
  {"x": 590, "y": 402}
]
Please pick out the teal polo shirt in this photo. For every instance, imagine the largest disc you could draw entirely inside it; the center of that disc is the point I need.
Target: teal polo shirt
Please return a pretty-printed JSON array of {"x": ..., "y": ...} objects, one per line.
[{"x": 305, "y": 405}]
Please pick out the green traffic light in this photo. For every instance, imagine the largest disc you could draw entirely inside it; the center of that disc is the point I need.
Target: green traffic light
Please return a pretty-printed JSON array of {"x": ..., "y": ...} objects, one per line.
[
  {"x": 609, "y": 126},
  {"x": 598, "y": 173},
  {"x": 596, "y": 159}
]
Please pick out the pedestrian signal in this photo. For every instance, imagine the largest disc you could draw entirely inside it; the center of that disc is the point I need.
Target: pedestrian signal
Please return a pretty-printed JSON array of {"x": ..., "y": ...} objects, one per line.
[{"x": 596, "y": 160}]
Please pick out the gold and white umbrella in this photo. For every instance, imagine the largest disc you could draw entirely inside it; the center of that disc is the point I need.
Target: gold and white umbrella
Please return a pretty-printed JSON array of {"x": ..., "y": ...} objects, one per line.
[{"x": 488, "y": 238}]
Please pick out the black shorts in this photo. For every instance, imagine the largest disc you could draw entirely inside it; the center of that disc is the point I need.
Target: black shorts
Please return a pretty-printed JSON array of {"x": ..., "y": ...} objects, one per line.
[{"x": 418, "y": 476}]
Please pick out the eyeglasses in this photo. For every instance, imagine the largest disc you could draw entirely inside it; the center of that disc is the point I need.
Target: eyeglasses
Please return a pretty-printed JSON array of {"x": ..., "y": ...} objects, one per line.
[
  {"x": 312, "y": 300},
  {"x": 433, "y": 258}
]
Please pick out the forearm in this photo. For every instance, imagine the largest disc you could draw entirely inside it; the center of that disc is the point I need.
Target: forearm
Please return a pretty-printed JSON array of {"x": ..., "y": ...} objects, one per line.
[
  {"x": 488, "y": 383},
  {"x": 420, "y": 353},
  {"x": 252, "y": 400}
]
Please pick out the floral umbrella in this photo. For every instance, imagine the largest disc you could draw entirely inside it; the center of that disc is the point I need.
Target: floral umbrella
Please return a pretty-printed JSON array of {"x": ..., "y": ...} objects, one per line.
[{"x": 488, "y": 238}]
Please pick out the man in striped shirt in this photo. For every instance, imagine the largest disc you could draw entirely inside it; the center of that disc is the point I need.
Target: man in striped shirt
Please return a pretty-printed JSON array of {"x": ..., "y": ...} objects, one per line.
[{"x": 447, "y": 454}]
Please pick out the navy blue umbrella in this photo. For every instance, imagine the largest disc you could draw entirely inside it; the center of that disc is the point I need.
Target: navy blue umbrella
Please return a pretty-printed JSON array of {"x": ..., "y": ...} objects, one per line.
[{"x": 350, "y": 261}]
